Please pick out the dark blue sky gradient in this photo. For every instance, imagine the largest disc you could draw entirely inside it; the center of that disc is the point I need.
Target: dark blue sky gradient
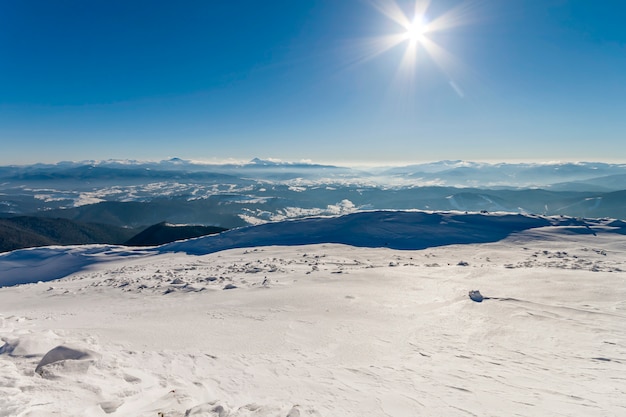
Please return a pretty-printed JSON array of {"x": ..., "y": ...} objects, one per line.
[{"x": 95, "y": 79}]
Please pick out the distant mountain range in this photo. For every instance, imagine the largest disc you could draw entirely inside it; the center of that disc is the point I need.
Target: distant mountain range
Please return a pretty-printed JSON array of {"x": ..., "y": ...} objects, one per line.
[
  {"x": 135, "y": 194},
  {"x": 236, "y": 210},
  {"x": 443, "y": 173}
]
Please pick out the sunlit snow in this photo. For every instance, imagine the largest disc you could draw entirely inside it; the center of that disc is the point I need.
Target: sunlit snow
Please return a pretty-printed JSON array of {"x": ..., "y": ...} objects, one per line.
[{"x": 362, "y": 315}]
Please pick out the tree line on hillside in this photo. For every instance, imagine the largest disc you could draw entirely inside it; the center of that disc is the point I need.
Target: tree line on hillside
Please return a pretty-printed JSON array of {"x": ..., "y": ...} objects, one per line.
[{"x": 29, "y": 231}]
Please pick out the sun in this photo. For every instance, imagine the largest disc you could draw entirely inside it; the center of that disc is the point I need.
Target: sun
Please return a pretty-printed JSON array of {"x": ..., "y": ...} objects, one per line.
[{"x": 416, "y": 30}]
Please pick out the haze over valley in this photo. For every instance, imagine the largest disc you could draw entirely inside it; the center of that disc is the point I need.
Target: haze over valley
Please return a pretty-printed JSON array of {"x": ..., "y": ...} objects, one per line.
[{"x": 135, "y": 195}]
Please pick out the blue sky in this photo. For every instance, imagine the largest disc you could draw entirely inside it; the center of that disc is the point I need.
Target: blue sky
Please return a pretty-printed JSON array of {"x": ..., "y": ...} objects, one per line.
[{"x": 487, "y": 80}]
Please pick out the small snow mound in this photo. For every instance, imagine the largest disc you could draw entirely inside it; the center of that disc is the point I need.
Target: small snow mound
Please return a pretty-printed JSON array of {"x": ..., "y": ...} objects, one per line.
[
  {"x": 110, "y": 406},
  {"x": 29, "y": 345},
  {"x": 294, "y": 412},
  {"x": 207, "y": 410},
  {"x": 62, "y": 354}
]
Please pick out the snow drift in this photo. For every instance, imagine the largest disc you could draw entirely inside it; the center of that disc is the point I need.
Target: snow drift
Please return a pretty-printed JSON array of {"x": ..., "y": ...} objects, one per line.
[{"x": 324, "y": 317}]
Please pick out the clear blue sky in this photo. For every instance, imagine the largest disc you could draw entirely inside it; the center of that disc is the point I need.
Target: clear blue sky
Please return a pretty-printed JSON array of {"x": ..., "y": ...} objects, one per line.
[{"x": 301, "y": 79}]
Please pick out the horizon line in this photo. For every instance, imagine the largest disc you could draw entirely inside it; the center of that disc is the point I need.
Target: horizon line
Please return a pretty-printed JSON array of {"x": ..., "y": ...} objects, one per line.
[{"x": 308, "y": 161}]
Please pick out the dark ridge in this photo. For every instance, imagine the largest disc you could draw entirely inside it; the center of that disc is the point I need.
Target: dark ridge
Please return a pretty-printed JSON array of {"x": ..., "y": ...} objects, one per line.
[
  {"x": 141, "y": 213},
  {"x": 163, "y": 232},
  {"x": 27, "y": 232}
]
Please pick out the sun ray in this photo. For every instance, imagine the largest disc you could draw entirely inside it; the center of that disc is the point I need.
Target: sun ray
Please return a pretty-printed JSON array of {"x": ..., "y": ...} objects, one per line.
[
  {"x": 391, "y": 9},
  {"x": 446, "y": 62},
  {"x": 444, "y": 59},
  {"x": 408, "y": 64},
  {"x": 461, "y": 15},
  {"x": 420, "y": 7},
  {"x": 368, "y": 49}
]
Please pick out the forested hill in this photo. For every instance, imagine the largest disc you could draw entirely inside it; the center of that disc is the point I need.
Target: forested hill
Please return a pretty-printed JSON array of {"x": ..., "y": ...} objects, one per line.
[
  {"x": 30, "y": 231},
  {"x": 164, "y": 232}
]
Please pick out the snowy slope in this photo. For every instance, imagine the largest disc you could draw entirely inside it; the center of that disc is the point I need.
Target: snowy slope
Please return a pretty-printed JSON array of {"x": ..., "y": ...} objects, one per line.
[
  {"x": 392, "y": 229},
  {"x": 365, "y": 314}
]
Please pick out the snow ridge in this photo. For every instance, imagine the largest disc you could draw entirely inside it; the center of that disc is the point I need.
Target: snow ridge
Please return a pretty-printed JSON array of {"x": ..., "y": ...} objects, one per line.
[{"x": 404, "y": 230}]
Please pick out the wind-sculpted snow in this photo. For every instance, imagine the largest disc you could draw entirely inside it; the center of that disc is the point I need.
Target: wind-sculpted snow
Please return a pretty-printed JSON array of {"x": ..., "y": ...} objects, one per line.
[
  {"x": 379, "y": 229},
  {"x": 396, "y": 230},
  {"x": 328, "y": 329},
  {"x": 49, "y": 263}
]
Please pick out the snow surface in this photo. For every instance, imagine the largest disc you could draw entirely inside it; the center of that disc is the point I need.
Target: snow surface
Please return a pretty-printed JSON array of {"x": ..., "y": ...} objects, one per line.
[{"x": 360, "y": 315}]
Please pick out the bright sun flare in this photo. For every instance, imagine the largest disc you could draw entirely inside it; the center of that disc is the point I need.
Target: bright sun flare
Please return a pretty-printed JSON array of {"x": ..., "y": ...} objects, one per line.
[{"x": 416, "y": 30}]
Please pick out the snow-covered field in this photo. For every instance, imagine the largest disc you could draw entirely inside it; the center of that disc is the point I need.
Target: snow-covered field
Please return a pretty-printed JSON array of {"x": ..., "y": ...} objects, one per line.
[{"x": 361, "y": 315}]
